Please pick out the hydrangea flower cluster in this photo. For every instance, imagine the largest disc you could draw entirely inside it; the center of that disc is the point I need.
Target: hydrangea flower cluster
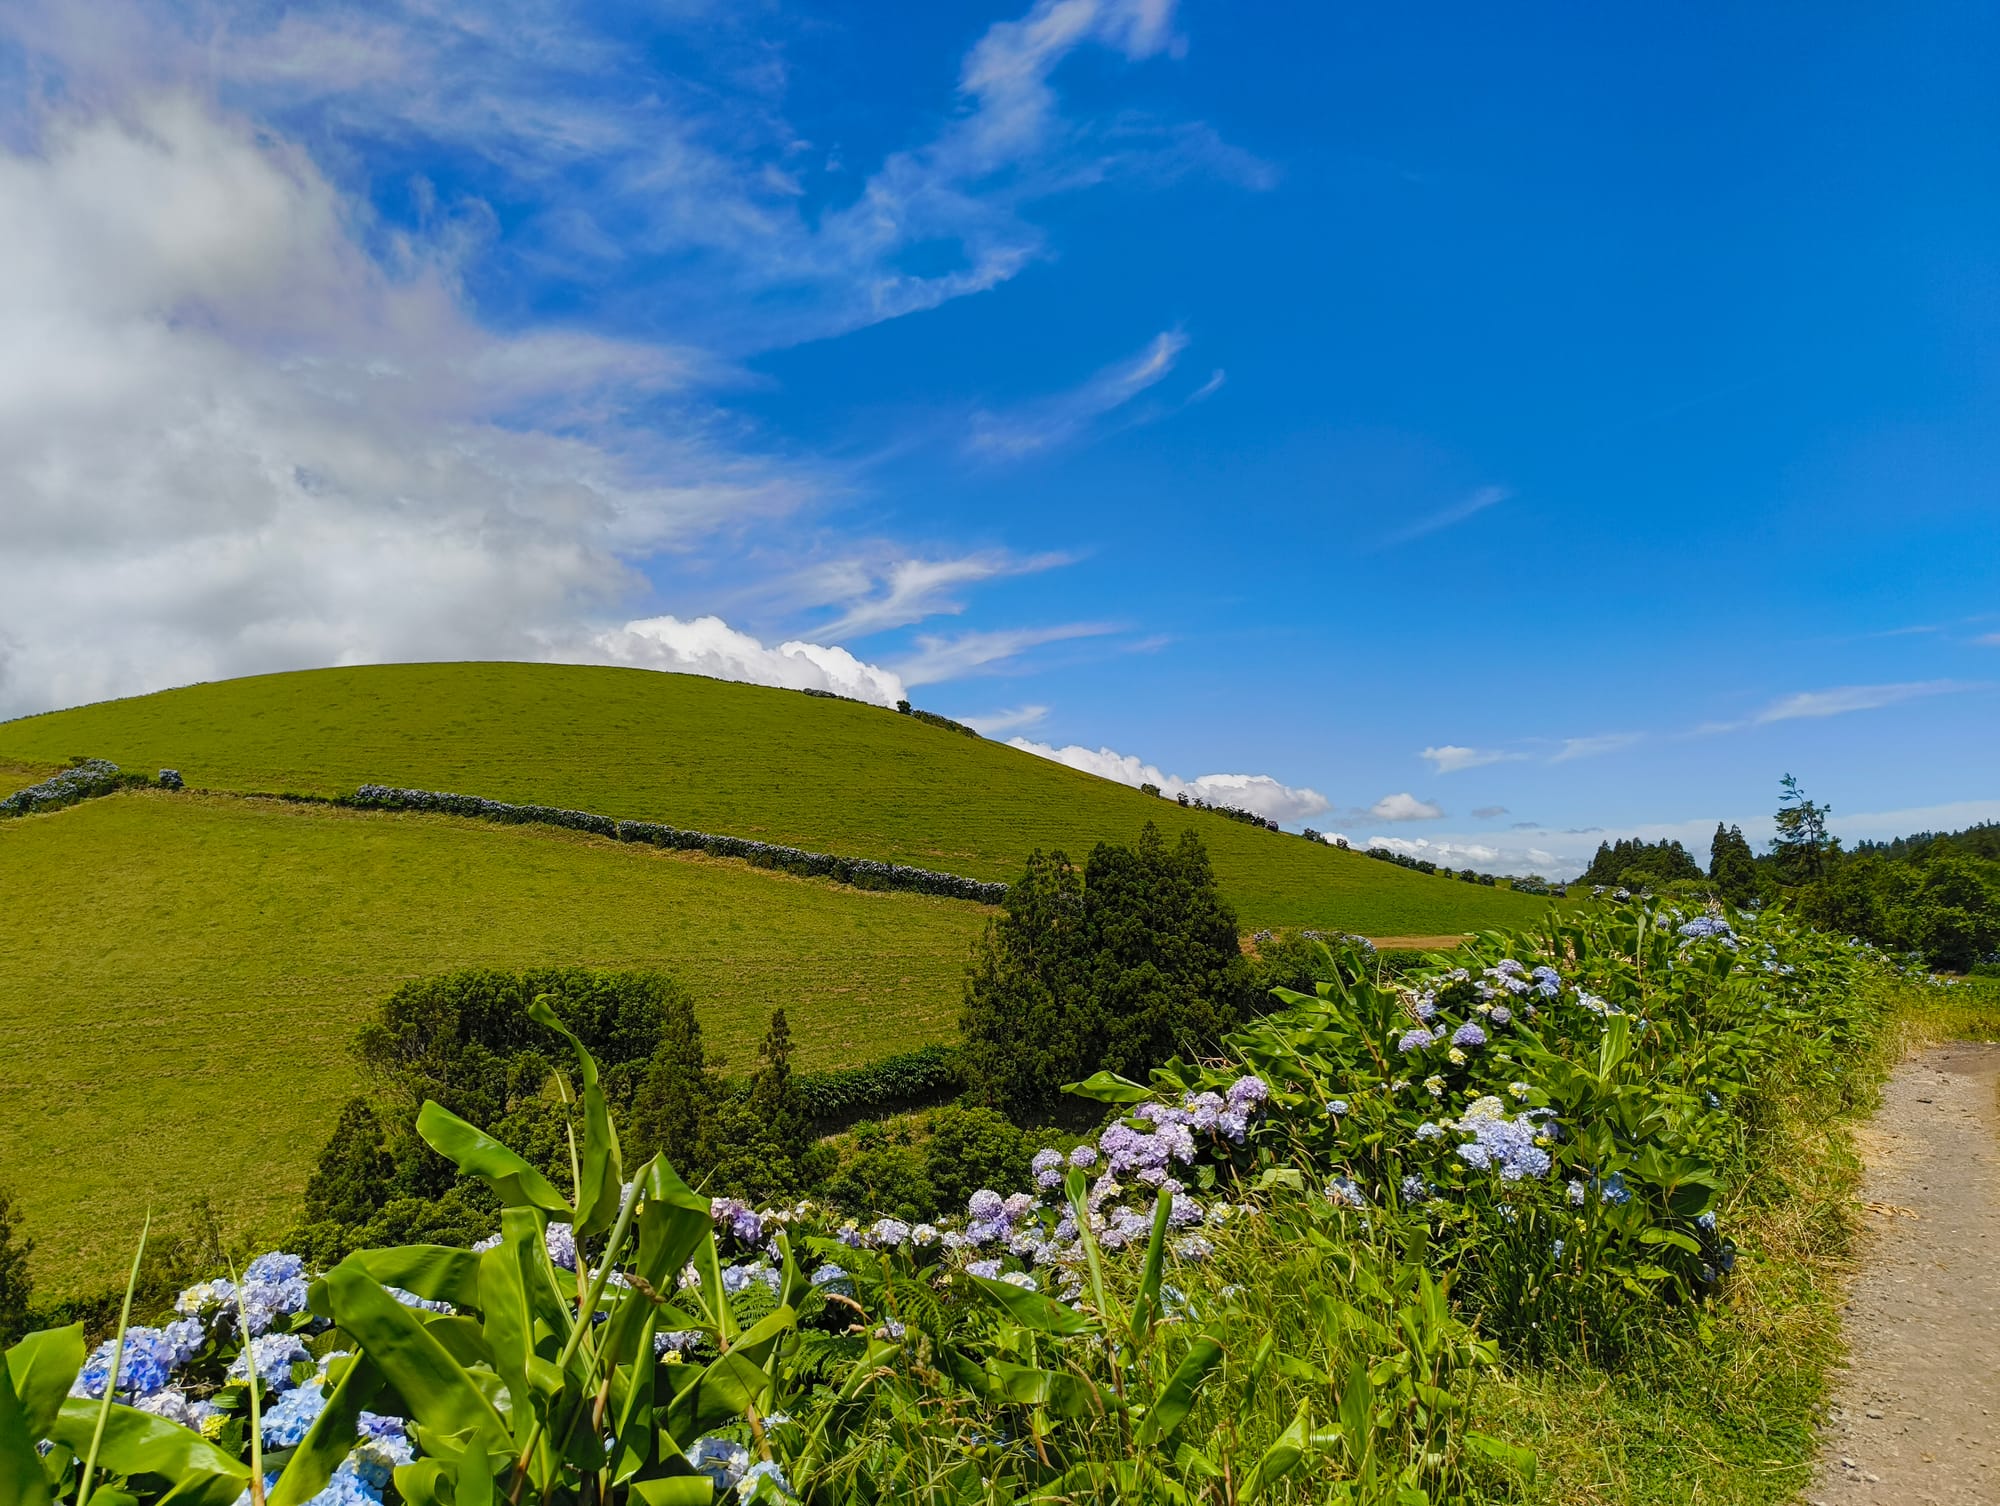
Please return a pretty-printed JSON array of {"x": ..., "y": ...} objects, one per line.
[{"x": 1513, "y": 1147}]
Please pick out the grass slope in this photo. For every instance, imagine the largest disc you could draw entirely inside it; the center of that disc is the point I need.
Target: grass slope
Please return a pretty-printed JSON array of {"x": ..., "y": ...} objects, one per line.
[
  {"x": 740, "y": 759},
  {"x": 180, "y": 977}
]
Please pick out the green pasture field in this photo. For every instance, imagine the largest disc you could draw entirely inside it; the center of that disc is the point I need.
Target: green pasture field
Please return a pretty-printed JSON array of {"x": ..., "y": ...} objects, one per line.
[
  {"x": 180, "y": 976},
  {"x": 18, "y": 777},
  {"x": 827, "y": 775}
]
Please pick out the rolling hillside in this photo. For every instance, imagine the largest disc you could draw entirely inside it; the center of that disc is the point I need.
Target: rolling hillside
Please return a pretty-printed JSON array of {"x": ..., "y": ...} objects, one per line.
[
  {"x": 180, "y": 977},
  {"x": 829, "y": 775}
]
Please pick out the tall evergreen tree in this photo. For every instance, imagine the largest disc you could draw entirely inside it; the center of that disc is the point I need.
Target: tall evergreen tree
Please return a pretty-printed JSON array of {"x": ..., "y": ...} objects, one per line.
[
  {"x": 1117, "y": 968},
  {"x": 1803, "y": 849},
  {"x": 1732, "y": 866}
]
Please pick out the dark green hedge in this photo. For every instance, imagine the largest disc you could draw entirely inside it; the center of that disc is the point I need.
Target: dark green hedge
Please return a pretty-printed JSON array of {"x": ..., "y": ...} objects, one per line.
[{"x": 905, "y": 1080}]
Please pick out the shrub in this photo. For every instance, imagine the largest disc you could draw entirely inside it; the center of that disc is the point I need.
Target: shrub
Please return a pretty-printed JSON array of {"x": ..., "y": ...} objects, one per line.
[
  {"x": 16, "y": 1286},
  {"x": 905, "y": 1080},
  {"x": 763, "y": 1139},
  {"x": 884, "y": 1177},
  {"x": 83, "y": 779},
  {"x": 675, "y": 1099},
  {"x": 971, "y": 1148}
]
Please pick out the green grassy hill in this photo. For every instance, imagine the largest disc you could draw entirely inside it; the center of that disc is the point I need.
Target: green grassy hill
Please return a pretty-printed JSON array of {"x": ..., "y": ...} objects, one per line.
[
  {"x": 829, "y": 775},
  {"x": 180, "y": 977}
]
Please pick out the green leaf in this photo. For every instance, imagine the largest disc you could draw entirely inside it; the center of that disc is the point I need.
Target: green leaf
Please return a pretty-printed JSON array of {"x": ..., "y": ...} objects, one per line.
[
  {"x": 1520, "y": 1460},
  {"x": 718, "y": 1393},
  {"x": 632, "y": 1427},
  {"x": 1177, "y": 1397},
  {"x": 331, "y": 1437},
  {"x": 42, "y": 1368},
  {"x": 138, "y": 1443},
  {"x": 478, "y": 1154},
  {"x": 1279, "y": 1459},
  {"x": 22, "y": 1478},
  {"x": 601, "y": 1186},
  {"x": 1109, "y": 1087},
  {"x": 681, "y": 1490},
  {"x": 1032, "y": 1309},
  {"x": 437, "y": 1273},
  {"x": 1148, "y": 1300},
  {"x": 440, "y": 1393}
]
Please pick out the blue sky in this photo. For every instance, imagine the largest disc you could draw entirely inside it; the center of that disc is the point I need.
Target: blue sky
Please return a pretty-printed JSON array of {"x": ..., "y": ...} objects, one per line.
[{"x": 1477, "y": 427}]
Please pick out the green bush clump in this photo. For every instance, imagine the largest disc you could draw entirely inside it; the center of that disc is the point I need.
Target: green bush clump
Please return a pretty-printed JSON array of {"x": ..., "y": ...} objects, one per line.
[
  {"x": 908, "y": 1079},
  {"x": 1114, "y": 967}
]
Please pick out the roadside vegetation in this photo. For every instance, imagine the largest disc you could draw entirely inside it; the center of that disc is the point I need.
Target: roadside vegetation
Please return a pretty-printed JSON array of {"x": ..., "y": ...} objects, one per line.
[{"x": 1459, "y": 1229}]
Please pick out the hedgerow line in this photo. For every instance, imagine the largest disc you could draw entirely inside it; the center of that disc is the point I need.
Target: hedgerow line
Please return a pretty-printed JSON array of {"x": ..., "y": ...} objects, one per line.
[{"x": 862, "y": 873}]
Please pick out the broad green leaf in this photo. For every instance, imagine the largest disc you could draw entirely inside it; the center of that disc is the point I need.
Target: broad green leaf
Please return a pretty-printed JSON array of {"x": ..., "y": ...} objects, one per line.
[
  {"x": 1279, "y": 1459},
  {"x": 437, "y": 1273},
  {"x": 22, "y": 1478},
  {"x": 478, "y": 1154},
  {"x": 1032, "y": 1309},
  {"x": 330, "y": 1438},
  {"x": 42, "y": 1368},
  {"x": 1148, "y": 1300},
  {"x": 600, "y": 1187},
  {"x": 440, "y": 1393},
  {"x": 1063, "y": 1393},
  {"x": 756, "y": 1344},
  {"x": 1177, "y": 1397},
  {"x": 138, "y": 1443},
  {"x": 1109, "y": 1087},
  {"x": 715, "y": 1394},
  {"x": 632, "y": 1409}
]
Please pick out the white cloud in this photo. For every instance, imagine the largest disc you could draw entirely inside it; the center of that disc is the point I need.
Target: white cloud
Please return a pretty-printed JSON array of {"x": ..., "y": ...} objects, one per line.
[
  {"x": 1988, "y": 640},
  {"x": 950, "y": 658},
  {"x": 1458, "y": 512},
  {"x": 1260, "y": 793},
  {"x": 231, "y": 442},
  {"x": 1450, "y": 758},
  {"x": 995, "y": 722},
  {"x": 1051, "y": 421},
  {"x": 1489, "y": 812},
  {"x": 1842, "y": 699},
  {"x": 709, "y": 646},
  {"x": 1404, "y": 807}
]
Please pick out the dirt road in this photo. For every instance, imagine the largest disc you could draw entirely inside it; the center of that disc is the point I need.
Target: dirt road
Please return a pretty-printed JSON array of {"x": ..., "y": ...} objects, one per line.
[{"x": 1915, "y": 1418}]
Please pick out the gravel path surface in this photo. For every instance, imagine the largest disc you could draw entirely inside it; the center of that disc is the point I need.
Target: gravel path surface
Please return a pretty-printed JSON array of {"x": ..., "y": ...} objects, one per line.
[{"x": 1915, "y": 1416}]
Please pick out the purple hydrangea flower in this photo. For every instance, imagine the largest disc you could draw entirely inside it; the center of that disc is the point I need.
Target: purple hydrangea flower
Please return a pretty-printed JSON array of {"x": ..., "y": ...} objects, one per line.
[{"x": 1468, "y": 1034}]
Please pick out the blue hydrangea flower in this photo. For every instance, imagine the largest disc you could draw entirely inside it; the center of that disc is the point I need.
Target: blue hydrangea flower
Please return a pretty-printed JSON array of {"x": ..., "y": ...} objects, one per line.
[
  {"x": 986, "y": 1269},
  {"x": 1414, "y": 1040},
  {"x": 275, "y": 1354},
  {"x": 1468, "y": 1034},
  {"x": 287, "y": 1419},
  {"x": 723, "y": 1460}
]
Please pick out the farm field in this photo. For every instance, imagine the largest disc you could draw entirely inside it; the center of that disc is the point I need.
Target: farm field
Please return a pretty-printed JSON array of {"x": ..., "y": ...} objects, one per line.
[
  {"x": 180, "y": 976},
  {"x": 829, "y": 775}
]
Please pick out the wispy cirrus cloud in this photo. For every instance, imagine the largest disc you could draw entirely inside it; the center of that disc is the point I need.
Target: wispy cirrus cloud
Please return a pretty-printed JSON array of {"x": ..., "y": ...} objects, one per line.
[
  {"x": 1842, "y": 700},
  {"x": 1594, "y": 747},
  {"x": 1055, "y": 420},
  {"x": 1448, "y": 517},
  {"x": 939, "y": 658},
  {"x": 903, "y": 591},
  {"x": 694, "y": 168},
  {"x": 993, "y": 723}
]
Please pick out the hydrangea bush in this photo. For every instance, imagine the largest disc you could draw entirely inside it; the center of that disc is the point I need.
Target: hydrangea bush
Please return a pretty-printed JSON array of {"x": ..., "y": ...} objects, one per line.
[{"x": 1259, "y": 1278}]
